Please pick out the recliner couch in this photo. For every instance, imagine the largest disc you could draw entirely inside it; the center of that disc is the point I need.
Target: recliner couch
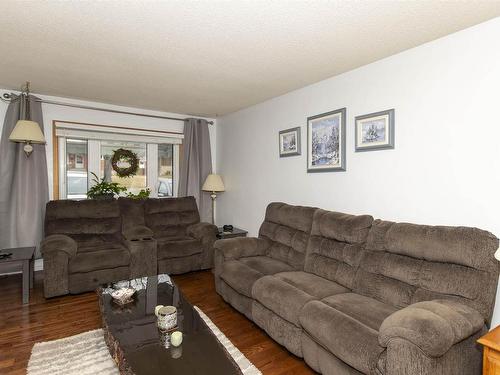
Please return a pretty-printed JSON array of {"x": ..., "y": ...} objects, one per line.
[
  {"x": 369, "y": 296},
  {"x": 89, "y": 243}
]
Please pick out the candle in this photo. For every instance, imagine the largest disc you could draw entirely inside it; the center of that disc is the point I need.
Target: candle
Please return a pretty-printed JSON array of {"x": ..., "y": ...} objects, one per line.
[{"x": 176, "y": 338}]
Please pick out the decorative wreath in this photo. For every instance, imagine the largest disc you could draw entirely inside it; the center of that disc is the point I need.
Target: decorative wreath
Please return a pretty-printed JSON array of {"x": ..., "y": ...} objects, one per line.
[{"x": 127, "y": 156}]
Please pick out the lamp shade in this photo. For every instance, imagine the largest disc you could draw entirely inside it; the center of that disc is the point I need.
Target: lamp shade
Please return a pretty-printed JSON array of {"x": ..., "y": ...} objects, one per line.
[
  {"x": 27, "y": 131},
  {"x": 213, "y": 183}
]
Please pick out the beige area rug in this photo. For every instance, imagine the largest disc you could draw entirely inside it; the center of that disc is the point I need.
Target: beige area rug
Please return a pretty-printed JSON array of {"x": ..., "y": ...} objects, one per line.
[{"x": 87, "y": 354}]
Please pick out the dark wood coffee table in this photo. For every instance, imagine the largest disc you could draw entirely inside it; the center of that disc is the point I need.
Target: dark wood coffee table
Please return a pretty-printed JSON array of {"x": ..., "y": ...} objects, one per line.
[
  {"x": 23, "y": 257},
  {"x": 138, "y": 347}
]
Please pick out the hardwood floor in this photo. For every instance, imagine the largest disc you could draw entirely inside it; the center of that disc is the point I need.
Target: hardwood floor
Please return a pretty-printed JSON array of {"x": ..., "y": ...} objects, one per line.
[{"x": 43, "y": 320}]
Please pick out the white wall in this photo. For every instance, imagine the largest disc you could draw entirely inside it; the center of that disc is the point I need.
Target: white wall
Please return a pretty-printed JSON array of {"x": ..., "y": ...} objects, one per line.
[
  {"x": 54, "y": 112},
  {"x": 445, "y": 168}
]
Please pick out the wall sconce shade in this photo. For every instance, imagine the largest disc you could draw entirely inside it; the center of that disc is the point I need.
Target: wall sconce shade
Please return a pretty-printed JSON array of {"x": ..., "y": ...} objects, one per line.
[
  {"x": 213, "y": 183},
  {"x": 27, "y": 132}
]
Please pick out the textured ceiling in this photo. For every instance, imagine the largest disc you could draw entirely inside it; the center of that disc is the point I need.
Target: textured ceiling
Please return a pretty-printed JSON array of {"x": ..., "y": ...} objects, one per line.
[{"x": 209, "y": 57}]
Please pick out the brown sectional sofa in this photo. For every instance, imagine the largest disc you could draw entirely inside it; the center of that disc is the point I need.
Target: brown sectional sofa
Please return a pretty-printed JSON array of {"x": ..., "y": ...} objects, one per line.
[
  {"x": 92, "y": 242},
  {"x": 364, "y": 296}
]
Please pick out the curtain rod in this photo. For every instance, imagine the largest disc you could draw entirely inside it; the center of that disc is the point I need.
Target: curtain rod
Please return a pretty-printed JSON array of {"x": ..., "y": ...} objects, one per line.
[{"x": 112, "y": 110}]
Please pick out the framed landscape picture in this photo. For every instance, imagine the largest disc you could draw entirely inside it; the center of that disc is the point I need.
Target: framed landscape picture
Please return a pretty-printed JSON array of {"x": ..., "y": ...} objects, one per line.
[
  {"x": 375, "y": 131},
  {"x": 326, "y": 142},
  {"x": 289, "y": 142}
]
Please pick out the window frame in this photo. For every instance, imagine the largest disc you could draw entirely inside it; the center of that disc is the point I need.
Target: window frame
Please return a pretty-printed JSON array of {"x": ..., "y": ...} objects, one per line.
[{"x": 62, "y": 130}]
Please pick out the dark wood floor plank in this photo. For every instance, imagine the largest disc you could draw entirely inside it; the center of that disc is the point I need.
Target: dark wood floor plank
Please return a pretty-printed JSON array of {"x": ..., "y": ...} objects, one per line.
[{"x": 21, "y": 326}]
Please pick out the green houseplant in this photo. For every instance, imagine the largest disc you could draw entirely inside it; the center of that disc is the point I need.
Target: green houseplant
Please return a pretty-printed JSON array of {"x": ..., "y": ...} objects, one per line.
[
  {"x": 143, "y": 194},
  {"x": 104, "y": 190}
]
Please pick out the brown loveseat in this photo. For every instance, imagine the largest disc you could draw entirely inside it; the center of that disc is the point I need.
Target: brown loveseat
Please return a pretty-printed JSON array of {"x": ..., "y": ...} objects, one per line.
[
  {"x": 369, "y": 297},
  {"x": 92, "y": 242}
]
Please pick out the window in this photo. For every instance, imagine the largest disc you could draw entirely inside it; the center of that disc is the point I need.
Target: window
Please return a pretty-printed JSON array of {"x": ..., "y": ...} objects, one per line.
[
  {"x": 134, "y": 184},
  {"x": 165, "y": 170},
  {"x": 76, "y": 168},
  {"x": 82, "y": 150}
]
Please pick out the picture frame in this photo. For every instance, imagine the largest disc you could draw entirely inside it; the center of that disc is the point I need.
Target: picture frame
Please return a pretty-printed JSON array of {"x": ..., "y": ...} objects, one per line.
[
  {"x": 289, "y": 142},
  {"x": 374, "y": 131},
  {"x": 326, "y": 140}
]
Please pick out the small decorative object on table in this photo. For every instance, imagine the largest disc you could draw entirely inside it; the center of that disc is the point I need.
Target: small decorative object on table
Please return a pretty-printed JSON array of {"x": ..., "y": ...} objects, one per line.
[
  {"x": 123, "y": 296},
  {"x": 225, "y": 232},
  {"x": 176, "y": 338},
  {"x": 167, "y": 317}
]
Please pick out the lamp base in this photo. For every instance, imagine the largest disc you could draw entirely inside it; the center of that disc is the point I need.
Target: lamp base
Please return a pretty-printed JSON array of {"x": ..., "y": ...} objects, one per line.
[{"x": 214, "y": 197}]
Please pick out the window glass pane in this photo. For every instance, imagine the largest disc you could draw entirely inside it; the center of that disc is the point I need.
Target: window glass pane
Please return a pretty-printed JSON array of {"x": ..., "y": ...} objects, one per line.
[
  {"x": 76, "y": 168},
  {"x": 134, "y": 183},
  {"x": 165, "y": 170}
]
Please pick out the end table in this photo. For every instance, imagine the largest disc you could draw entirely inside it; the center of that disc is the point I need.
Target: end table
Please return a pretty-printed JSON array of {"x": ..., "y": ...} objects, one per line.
[
  {"x": 24, "y": 258},
  {"x": 236, "y": 232},
  {"x": 491, "y": 351}
]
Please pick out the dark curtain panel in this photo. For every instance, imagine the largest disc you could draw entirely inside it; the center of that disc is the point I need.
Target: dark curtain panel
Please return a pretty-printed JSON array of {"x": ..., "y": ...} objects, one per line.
[
  {"x": 24, "y": 189},
  {"x": 196, "y": 164}
]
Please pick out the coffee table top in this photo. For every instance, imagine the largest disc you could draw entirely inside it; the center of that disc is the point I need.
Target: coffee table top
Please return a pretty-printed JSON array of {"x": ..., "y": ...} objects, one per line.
[
  {"x": 139, "y": 347},
  {"x": 18, "y": 253}
]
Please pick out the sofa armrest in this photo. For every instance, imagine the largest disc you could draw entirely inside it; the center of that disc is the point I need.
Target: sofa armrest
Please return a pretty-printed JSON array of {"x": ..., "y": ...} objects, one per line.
[
  {"x": 207, "y": 234},
  {"x": 143, "y": 257},
  {"x": 58, "y": 242},
  {"x": 57, "y": 250},
  {"x": 137, "y": 233},
  {"x": 203, "y": 230},
  {"x": 234, "y": 248},
  {"x": 433, "y": 326}
]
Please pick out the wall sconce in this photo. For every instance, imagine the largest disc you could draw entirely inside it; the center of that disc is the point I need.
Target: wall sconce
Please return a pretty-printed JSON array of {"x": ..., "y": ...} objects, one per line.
[{"x": 26, "y": 131}]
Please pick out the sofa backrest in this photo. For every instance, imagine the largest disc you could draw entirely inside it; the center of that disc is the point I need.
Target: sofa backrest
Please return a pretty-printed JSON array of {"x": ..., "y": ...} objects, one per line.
[
  {"x": 336, "y": 244},
  {"x": 170, "y": 216},
  {"x": 78, "y": 219},
  {"x": 407, "y": 263},
  {"x": 287, "y": 228},
  {"x": 132, "y": 212}
]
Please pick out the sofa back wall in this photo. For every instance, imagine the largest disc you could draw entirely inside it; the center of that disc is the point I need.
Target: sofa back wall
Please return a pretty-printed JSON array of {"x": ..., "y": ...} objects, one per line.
[{"x": 445, "y": 167}]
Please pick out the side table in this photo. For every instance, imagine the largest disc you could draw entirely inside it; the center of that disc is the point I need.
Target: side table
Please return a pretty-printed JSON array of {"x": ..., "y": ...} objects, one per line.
[
  {"x": 24, "y": 258},
  {"x": 236, "y": 232},
  {"x": 491, "y": 352}
]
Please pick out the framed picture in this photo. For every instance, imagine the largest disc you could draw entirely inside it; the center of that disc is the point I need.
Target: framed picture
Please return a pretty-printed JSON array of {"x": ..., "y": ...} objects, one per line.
[
  {"x": 326, "y": 142},
  {"x": 289, "y": 141},
  {"x": 375, "y": 131}
]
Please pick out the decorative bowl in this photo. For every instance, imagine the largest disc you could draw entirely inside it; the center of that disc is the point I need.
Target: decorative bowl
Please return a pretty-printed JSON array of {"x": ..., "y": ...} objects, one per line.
[{"x": 123, "y": 295}]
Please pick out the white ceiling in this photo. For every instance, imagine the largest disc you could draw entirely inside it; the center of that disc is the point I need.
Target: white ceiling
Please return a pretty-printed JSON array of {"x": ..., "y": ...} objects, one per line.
[{"x": 209, "y": 57}]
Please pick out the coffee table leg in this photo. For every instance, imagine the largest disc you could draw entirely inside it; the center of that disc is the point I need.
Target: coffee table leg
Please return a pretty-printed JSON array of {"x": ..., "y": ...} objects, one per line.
[
  {"x": 26, "y": 281},
  {"x": 32, "y": 271}
]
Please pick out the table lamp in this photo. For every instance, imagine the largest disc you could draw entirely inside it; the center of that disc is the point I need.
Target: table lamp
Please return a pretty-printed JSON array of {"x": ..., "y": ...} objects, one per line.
[{"x": 213, "y": 184}]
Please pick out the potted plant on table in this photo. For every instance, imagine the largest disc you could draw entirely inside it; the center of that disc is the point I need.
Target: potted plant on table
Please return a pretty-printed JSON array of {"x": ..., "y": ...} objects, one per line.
[{"x": 103, "y": 189}]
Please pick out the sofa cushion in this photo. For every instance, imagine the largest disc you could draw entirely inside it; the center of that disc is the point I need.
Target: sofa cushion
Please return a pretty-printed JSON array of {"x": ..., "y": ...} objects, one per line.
[
  {"x": 241, "y": 274},
  {"x": 170, "y": 217},
  {"x": 286, "y": 293},
  {"x": 266, "y": 265},
  {"x": 347, "y": 325},
  {"x": 176, "y": 247},
  {"x": 336, "y": 245},
  {"x": 408, "y": 263},
  {"x": 82, "y": 217},
  {"x": 287, "y": 229},
  {"x": 103, "y": 257},
  {"x": 316, "y": 286}
]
